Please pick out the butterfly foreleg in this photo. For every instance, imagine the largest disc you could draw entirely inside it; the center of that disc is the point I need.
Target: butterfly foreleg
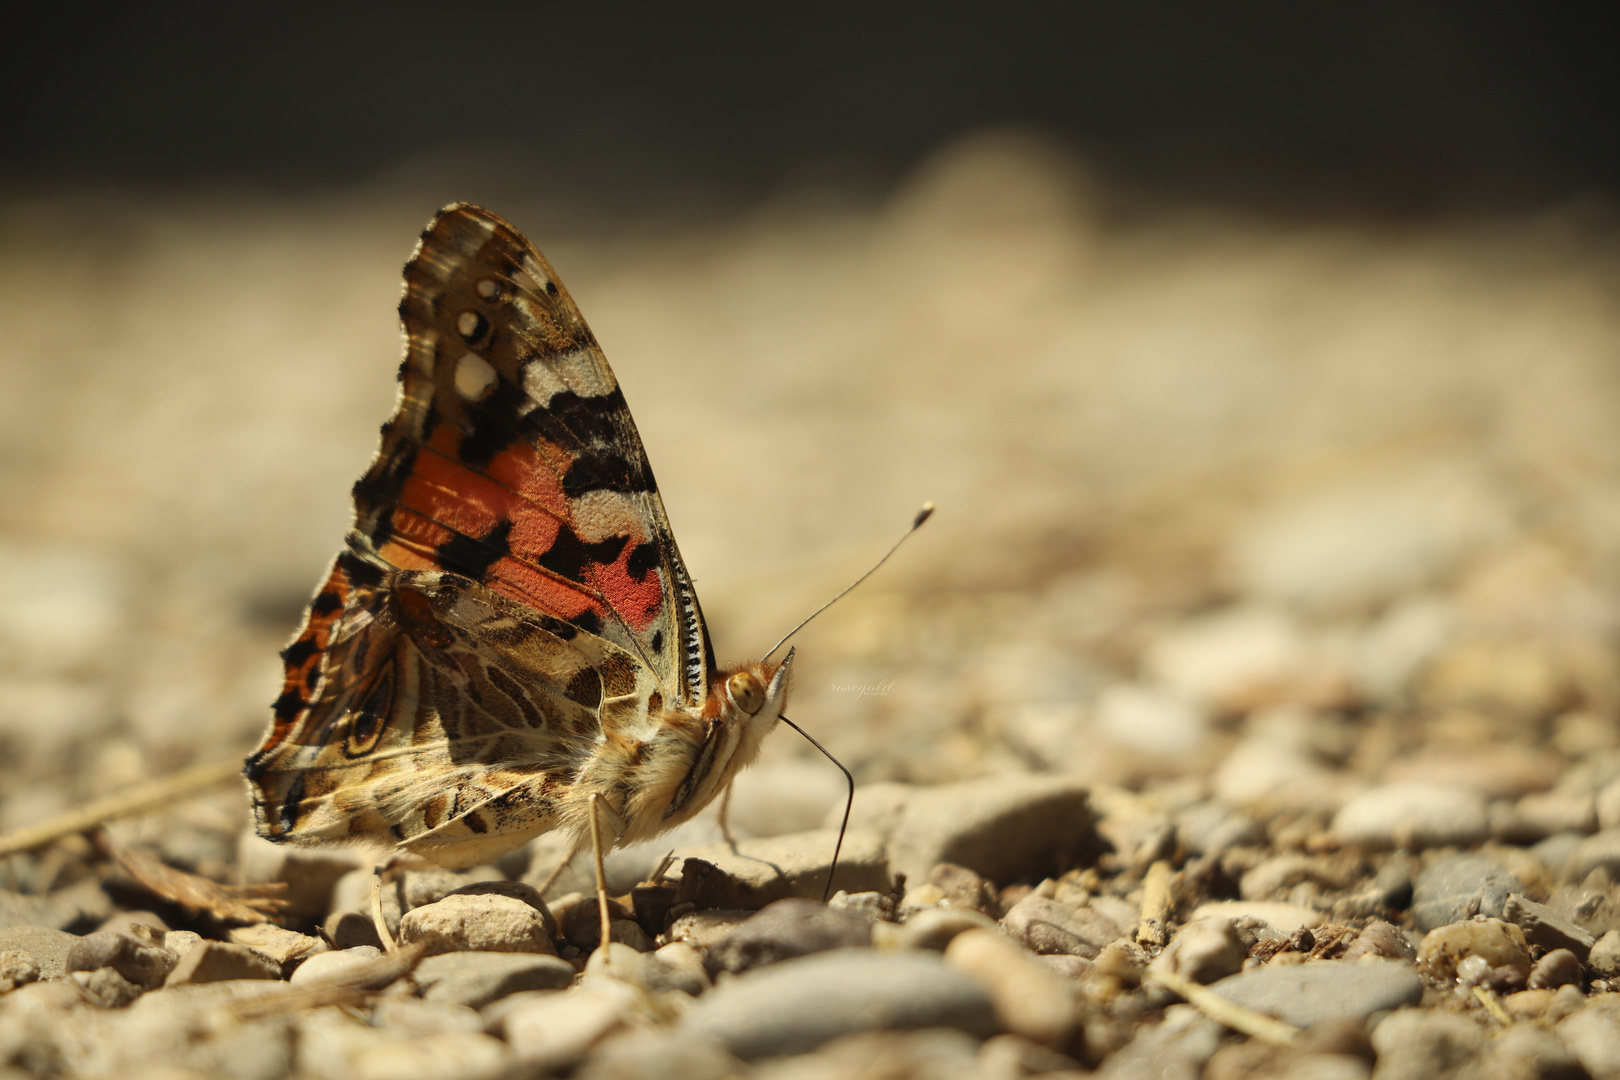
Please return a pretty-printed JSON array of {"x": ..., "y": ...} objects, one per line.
[{"x": 725, "y": 820}]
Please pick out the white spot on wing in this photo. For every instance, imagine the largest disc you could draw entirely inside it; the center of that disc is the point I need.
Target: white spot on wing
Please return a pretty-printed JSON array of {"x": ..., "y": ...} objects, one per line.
[
  {"x": 486, "y": 288},
  {"x": 540, "y": 382},
  {"x": 536, "y": 272},
  {"x": 474, "y": 376},
  {"x": 585, "y": 372},
  {"x": 601, "y": 514}
]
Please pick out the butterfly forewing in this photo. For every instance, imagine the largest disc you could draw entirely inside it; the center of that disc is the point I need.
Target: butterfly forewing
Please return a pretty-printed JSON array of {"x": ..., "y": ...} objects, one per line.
[{"x": 511, "y": 594}]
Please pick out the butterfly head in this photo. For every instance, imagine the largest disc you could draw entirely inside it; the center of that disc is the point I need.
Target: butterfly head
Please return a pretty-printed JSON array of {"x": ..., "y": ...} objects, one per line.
[{"x": 752, "y": 695}]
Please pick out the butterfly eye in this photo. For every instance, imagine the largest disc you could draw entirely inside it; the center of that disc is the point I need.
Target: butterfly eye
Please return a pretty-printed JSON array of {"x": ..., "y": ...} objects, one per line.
[{"x": 745, "y": 692}]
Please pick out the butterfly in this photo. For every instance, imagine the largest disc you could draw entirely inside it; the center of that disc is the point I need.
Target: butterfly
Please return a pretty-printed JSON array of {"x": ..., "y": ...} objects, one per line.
[{"x": 509, "y": 634}]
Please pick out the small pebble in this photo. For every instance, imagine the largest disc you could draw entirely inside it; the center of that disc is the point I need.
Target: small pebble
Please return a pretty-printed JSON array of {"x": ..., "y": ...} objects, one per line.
[
  {"x": 1383, "y": 940},
  {"x": 415, "y": 1017},
  {"x": 1498, "y": 944},
  {"x": 1204, "y": 951},
  {"x": 1558, "y": 968},
  {"x": 485, "y": 923},
  {"x": 142, "y": 964},
  {"x": 1527, "y": 1052},
  {"x": 1030, "y": 999},
  {"x": 934, "y": 928},
  {"x": 1046, "y": 926},
  {"x": 1419, "y": 1044},
  {"x": 1547, "y": 928},
  {"x": 1604, "y": 959},
  {"x": 1599, "y": 850},
  {"x": 48, "y": 947},
  {"x": 456, "y": 1055},
  {"x": 761, "y": 871},
  {"x": 1286, "y": 919}
]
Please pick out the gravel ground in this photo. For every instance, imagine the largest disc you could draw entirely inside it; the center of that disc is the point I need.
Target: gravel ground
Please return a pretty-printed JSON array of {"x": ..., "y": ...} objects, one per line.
[{"x": 1251, "y": 707}]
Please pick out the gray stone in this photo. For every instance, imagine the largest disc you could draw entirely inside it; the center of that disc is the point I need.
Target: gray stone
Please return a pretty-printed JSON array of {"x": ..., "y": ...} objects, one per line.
[
  {"x": 350, "y": 929},
  {"x": 416, "y": 1017},
  {"x": 475, "y": 979},
  {"x": 785, "y": 929},
  {"x": 761, "y": 871},
  {"x": 1047, "y": 926},
  {"x": 1459, "y": 887},
  {"x": 1004, "y": 828},
  {"x": 1422, "y": 1044},
  {"x": 49, "y": 947},
  {"x": 285, "y": 947},
  {"x": 1413, "y": 816},
  {"x": 1209, "y": 828},
  {"x": 476, "y": 923},
  {"x": 1547, "y": 928},
  {"x": 142, "y": 964},
  {"x": 1593, "y": 1036},
  {"x": 107, "y": 987},
  {"x": 797, "y": 1005},
  {"x": 1554, "y": 852},
  {"x": 1310, "y": 993},
  {"x": 965, "y": 889},
  {"x": 219, "y": 961},
  {"x": 1598, "y": 850}
]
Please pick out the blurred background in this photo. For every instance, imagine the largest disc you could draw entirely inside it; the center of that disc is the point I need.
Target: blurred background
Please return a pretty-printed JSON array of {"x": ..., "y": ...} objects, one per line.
[{"x": 1264, "y": 363}]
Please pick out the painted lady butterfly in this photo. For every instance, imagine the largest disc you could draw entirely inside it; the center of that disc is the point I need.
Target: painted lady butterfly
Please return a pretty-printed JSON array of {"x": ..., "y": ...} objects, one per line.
[{"x": 510, "y": 630}]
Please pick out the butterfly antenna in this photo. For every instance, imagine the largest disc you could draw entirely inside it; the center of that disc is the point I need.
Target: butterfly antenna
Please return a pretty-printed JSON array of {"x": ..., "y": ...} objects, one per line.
[
  {"x": 849, "y": 803},
  {"x": 923, "y": 515}
]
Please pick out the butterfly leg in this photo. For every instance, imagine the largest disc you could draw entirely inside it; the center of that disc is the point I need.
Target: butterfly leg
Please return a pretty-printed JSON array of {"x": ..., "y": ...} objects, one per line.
[
  {"x": 567, "y": 861},
  {"x": 725, "y": 820},
  {"x": 601, "y": 877}
]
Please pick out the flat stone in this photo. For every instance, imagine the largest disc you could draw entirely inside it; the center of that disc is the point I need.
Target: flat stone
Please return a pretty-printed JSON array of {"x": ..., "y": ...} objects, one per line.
[
  {"x": 1286, "y": 919},
  {"x": 1413, "y": 816},
  {"x": 1047, "y": 926},
  {"x": 677, "y": 966},
  {"x": 1381, "y": 939},
  {"x": 475, "y": 979},
  {"x": 1209, "y": 828},
  {"x": 1555, "y": 969},
  {"x": 284, "y": 946},
  {"x": 785, "y": 929},
  {"x": 762, "y": 871},
  {"x": 1030, "y": 998},
  {"x": 965, "y": 889},
  {"x": 1313, "y": 992},
  {"x": 143, "y": 964},
  {"x": 1593, "y": 1036},
  {"x": 1494, "y": 770},
  {"x": 49, "y": 947},
  {"x": 77, "y": 907},
  {"x": 1003, "y": 828},
  {"x": 1547, "y": 928},
  {"x": 477, "y": 923},
  {"x": 449, "y": 1055},
  {"x": 218, "y": 961},
  {"x": 797, "y": 1005},
  {"x": 1458, "y": 887},
  {"x": 1598, "y": 850}
]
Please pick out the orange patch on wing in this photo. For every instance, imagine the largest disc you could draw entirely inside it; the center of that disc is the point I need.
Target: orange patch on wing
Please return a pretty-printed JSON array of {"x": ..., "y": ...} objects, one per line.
[
  {"x": 637, "y": 602},
  {"x": 539, "y": 589}
]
